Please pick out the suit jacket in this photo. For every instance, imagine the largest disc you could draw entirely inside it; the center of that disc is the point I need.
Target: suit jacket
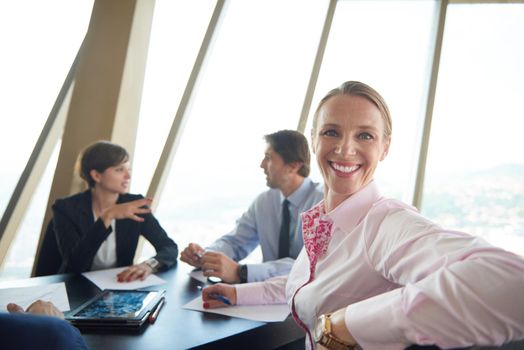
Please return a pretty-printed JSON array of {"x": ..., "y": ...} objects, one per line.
[
  {"x": 28, "y": 332},
  {"x": 79, "y": 237}
]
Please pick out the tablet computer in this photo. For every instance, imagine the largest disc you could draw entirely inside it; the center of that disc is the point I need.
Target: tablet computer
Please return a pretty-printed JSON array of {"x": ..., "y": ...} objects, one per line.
[{"x": 116, "y": 310}]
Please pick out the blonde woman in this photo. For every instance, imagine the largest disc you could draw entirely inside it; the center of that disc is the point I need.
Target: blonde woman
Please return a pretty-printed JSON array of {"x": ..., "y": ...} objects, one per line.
[{"x": 374, "y": 273}]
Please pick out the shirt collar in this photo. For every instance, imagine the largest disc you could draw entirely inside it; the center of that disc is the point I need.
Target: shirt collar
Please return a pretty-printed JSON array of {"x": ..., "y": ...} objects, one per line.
[
  {"x": 299, "y": 196},
  {"x": 350, "y": 212}
]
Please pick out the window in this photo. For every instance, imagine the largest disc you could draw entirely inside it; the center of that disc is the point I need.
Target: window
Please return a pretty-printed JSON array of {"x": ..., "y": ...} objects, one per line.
[
  {"x": 384, "y": 44},
  {"x": 39, "y": 43},
  {"x": 475, "y": 172},
  {"x": 254, "y": 84},
  {"x": 19, "y": 260},
  {"x": 176, "y": 34}
]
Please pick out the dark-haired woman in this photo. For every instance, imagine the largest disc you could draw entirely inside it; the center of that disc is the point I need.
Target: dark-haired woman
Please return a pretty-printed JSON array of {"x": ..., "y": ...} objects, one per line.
[{"x": 99, "y": 228}]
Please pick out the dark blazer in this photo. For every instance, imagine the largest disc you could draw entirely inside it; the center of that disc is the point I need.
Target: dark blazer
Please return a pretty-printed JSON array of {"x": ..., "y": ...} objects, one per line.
[
  {"x": 28, "y": 332},
  {"x": 79, "y": 237}
]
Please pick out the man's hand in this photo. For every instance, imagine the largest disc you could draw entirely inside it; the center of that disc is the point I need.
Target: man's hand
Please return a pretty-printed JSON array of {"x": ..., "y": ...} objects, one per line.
[
  {"x": 211, "y": 299},
  {"x": 39, "y": 307},
  {"x": 220, "y": 265},
  {"x": 135, "y": 272},
  {"x": 192, "y": 255}
]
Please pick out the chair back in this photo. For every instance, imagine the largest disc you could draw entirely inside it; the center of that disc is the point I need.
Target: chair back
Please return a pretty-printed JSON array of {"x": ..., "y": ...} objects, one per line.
[{"x": 49, "y": 260}]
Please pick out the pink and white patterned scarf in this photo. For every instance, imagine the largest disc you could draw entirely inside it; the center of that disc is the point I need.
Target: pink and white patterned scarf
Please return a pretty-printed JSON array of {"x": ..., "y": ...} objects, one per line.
[{"x": 317, "y": 229}]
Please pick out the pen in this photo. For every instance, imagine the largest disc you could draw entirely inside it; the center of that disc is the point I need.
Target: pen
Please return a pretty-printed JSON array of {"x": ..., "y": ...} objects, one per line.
[
  {"x": 222, "y": 298},
  {"x": 154, "y": 314},
  {"x": 199, "y": 255}
]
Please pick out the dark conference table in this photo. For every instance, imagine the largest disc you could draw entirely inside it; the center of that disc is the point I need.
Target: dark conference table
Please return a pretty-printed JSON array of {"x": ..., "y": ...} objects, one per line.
[{"x": 177, "y": 328}]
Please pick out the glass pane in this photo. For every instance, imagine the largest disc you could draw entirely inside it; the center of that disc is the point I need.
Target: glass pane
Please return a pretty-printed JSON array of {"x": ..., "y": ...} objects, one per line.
[
  {"x": 384, "y": 44},
  {"x": 39, "y": 41},
  {"x": 254, "y": 84},
  {"x": 475, "y": 171},
  {"x": 19, "y": 260},
  {"x": 177, "y": 32}
]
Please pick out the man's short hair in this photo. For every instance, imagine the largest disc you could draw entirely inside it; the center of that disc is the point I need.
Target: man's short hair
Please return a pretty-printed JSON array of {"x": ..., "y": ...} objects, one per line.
[{"x": 292, "y": 146}]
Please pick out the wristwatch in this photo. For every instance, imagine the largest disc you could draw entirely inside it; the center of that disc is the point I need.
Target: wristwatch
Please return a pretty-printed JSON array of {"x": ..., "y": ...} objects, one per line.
[
  {"x": 153, "y": 263},
  {"x": 242, "y": 273},
  {"x": 323, "y": 336}
]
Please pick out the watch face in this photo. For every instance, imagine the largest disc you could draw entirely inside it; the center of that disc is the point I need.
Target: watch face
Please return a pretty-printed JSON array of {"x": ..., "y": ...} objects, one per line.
[
  {"x": 153, "y": 263},
  {"x": 214, "y": 279}
]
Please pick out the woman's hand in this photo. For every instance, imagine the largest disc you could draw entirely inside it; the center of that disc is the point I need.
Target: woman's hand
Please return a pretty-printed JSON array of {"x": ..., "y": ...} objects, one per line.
[
  {"x": 39, "y": 307},
  {"x": 130, "y": 210},
  {"x": 135, "y": 272},
  {"x": 211, "y": 295}
]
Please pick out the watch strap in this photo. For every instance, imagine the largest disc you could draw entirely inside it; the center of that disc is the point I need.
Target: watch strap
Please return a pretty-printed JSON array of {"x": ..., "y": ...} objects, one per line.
[
  {"x": 332, "y": 343},
  {"x": 153, "y": 263},
  {"x": 329, "y": 340},
  {"x": 242, "y": 273}
]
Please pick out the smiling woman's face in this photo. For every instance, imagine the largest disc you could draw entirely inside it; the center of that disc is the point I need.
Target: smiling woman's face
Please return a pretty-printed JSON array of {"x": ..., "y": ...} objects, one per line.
[{"x": 348, "y": 142}]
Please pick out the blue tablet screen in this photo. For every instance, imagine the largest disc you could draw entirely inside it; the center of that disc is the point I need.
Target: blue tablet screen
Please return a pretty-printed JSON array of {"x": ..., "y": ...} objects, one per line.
[{"x": 124, "y": 304}]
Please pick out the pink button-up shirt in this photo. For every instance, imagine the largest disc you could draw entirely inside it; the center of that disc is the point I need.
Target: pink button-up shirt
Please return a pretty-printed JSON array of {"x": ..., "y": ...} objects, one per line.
[{"x": 406, "y": 280}]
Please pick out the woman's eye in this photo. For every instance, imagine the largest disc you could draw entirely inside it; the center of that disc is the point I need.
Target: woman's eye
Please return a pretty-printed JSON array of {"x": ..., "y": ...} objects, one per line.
[
  {"x": 330, "y": 132},
  {"x": 365, "y": 136}
]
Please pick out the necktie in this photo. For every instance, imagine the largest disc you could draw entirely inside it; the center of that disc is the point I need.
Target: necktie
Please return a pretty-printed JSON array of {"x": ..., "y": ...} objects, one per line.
[{"x": 283, "y": 243}]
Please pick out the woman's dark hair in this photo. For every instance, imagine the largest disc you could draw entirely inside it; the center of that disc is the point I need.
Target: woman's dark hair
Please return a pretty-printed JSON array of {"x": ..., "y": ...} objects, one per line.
[{"x": 99, "y": 156}]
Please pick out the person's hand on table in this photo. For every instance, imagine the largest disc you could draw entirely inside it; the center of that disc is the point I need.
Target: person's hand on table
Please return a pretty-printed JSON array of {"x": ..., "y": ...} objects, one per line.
[
  {"x": 135, "y": 272},
  {"x": 192, "y": 255},
  {"x": 220, "y": 265},
  {"x": 39, "y": 307},
  {"x": 211, "y": 295}
]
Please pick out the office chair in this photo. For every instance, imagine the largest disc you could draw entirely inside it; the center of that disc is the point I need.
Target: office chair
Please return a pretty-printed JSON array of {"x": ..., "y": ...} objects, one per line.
[{"x": 49, "y": 260}]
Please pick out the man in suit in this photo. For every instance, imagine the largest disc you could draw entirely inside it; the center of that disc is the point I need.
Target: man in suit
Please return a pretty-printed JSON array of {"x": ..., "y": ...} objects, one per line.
[
  {"x": 41, "y": 326},
  {"x": 272, "y": 221}
]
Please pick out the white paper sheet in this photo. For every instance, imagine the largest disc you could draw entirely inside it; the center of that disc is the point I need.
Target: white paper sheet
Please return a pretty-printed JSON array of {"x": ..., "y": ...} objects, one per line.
[
  {"x": 106, "y": 279},
  {"x": 263, "y": 313},
  {"x": 198, "y": 275},
  {"x": 25, "y": 296}
]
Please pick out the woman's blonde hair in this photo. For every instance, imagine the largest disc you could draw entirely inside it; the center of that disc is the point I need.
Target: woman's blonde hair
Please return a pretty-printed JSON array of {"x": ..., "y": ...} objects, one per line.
[{"x": 356, "y": 88}]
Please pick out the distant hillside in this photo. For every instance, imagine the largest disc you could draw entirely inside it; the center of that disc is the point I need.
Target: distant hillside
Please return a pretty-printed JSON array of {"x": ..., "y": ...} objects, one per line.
[
  {"x": 487, "y": 200},
  {"x": 516, "y": 170}
]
